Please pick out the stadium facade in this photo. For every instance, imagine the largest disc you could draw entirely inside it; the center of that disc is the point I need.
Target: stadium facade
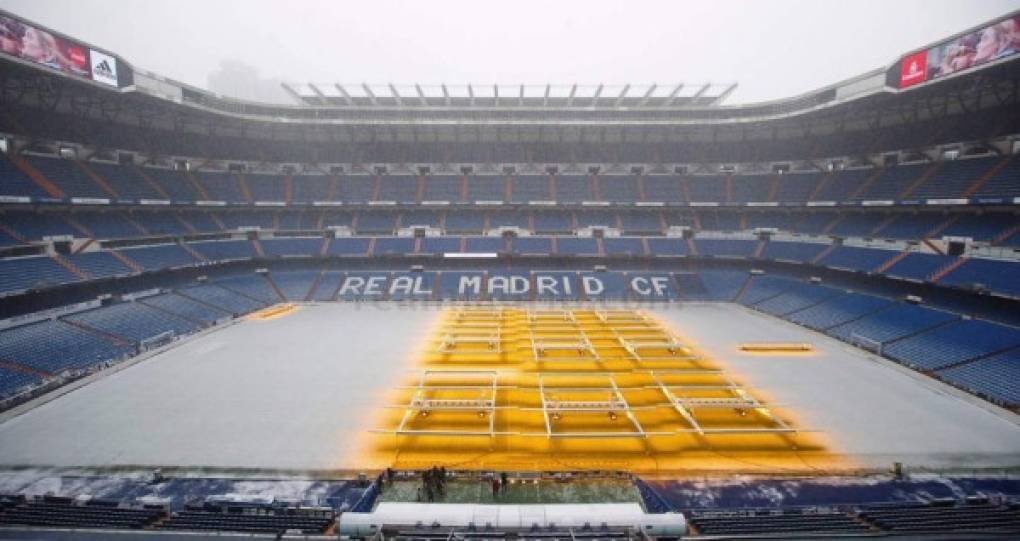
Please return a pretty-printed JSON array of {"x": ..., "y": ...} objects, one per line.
[{"x": 880, "y": 212}]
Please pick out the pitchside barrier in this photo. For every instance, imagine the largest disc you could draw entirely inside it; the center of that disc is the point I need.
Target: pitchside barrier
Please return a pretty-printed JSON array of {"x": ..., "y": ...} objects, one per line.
[
  {"x": 156, "y": 341},
  {"x": 864, "y": 342}
]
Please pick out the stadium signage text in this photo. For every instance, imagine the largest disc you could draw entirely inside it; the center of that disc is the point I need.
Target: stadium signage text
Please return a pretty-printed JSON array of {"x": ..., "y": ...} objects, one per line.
[{"x": 540, "y": 284}]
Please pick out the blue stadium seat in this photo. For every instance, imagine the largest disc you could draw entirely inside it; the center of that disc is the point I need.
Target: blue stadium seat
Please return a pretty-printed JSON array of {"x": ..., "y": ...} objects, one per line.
[
  {"x": 439, "y": 245},
  {"x": 22, "y": 273},
  {"x": 450, "y": 285},
  {"x": 857, "y": 258},
  {"x": 532, "y": 245},
  {"x": 841, "y": 184},
  {"x": 762, "y": 288},
  {"x": 14, "y": 181},
  {"x": 220, "y": 186},
  {"x": 486, "y": 244},
  {"x": 399, "y": 188},
  {"x": 66, "y": 174},
  {"x": 706, "y": 188},
  {"x": 348, "y": 246},
  {"x": 176, "y": 183},
  {"x": 393, "y": 246},
  {"x": 311, "y": 188},
  {"x": 337, "y": 218},
  {"x": 553, "y": 222},
  {"x": 712, "y": 285},
  {"x": 133, "y": 321},
  {"x": 721, "y": 221},
  {"x": 53, "y": 346},
  {"x": 356, "y": 189},
  {"x": 1005, "y": 183},
  {"x": 799, "y": 252},
  {"x": 327, "y": 286},
  {"x": 505, "y": 286},
  {"x": 412, "y": 285},
  {"x": 576, "y": 246},
  {"x": 953, "y": 178},
  {"x": 250, "y": 285},
  {"x": 556, "y": 285},
  {"x": 485, "y": 188},
  {"x": 587, "y": 218},
  {"x": 508, "y": 218},
  {"x": 464, "y": 221},
  {"x": 951, "y": 344},
  {"x": 266, "y": 187},
  {"x": 857, "y": 224},
  {"x": 613, "y": 285},
  {"x": 202, "y": 222},
  {"x": 750, "y": 188},
  {"x": 107, "y": 225},
  {"x": 292, "y": 247},
  {"x": 36, "y": 225},
  {"x": 911, "y": 226},
  {"x": 419, "y": 217},
  {"x": 640, "y": 222},
  {"x": 125, "y": 180},
  {"x": 726, "y": 247},
  {"x": 295, "y": 285},
  {"x": 237, "y": 219},
  {"x": 623, "y": 246},
  {"x": 619, "y": 188},
  {"x": 666, "y": 189},
  {"x": 660, "y": 246},
  {"x": 780, "y": 221},
  {"x": 531, "y": 188},
  {"x": 372, "y": 287},
  {"x": 99, "y": 264},
  {"x": 797, "y": 187},
  {"x": 998, "y": 275},
  {"x": 186, "y": 308},
  {"x": 813, "y": 223},
  {"x": 376, "y": 222},
  {"x": 447, "y": 188},
  {"x": 159, "y": 223},
  {"x": 13, "y": 382},
  {"x": 918, "y": 266},
  {"x": 996, "y": 377},
  {"x": 839, "y": 310},
  {"x": 980, "y": 227},
  {"x": 224, "y": 299},
  {"x": 677, "y": 218},
  {"x": 289, "y": 221},
  {"x": 224, "y": 250},
  {"x": 152, "y": 258},
  {"x": 892, "y": 323},
  {"x": 797, "y": 298},
  {"x": 891, "y": 182}
]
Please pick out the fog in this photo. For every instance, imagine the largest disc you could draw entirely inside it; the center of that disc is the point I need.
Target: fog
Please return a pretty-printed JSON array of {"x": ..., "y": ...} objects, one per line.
[{"x": 773, "y": 49}]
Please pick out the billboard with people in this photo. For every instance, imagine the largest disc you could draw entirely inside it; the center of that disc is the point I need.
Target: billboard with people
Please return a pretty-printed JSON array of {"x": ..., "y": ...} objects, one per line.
[
  {"x": 28, "y": 42},
  {"x": 1000, "y": 39}
]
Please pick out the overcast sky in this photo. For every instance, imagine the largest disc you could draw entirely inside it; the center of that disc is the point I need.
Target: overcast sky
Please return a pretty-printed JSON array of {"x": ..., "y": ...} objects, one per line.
[{"x": 773, "y": 49}]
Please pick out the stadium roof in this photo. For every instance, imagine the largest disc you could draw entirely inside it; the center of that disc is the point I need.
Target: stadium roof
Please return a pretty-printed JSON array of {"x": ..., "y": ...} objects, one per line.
[
  {"x": 511, "y": 123},
  {"x": 676, "y": 95}
]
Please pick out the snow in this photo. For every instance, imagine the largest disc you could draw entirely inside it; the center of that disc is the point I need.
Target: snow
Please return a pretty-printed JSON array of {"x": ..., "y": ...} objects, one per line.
[
  {"x": 297, "y": 394},
  {"x": 867, "y": 408},
  {"x": 289, "y": 393}
]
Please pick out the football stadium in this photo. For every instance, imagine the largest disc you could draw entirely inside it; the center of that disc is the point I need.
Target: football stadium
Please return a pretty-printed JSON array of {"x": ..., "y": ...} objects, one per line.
[{"x": 555, "y": 311}]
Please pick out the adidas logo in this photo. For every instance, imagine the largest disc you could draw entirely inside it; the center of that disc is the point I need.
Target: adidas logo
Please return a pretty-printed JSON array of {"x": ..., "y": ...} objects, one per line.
[{"x": 104, "y": 66}]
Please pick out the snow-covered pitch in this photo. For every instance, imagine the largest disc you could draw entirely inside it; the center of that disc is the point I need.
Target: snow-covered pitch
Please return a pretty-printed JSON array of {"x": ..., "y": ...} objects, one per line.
[{"x": 299, "y": 392}]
